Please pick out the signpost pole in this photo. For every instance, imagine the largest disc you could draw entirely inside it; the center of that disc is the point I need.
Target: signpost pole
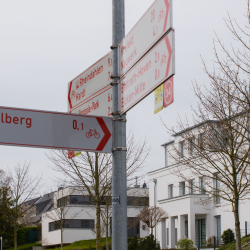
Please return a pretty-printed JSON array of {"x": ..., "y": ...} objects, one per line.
[{"x": 119, "y": 179}]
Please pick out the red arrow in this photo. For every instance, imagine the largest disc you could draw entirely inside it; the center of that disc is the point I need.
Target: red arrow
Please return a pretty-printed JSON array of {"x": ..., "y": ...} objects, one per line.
[
  {"x": 166, "y": 16},
  {"x": 70, "y": 104},
  {"x": 170, "y": 54},
  {"x": 106, "y": 132}
]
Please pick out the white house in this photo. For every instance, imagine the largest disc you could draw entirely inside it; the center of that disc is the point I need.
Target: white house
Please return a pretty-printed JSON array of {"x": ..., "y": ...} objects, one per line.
[
  {"x": 193, "y": 212},
  {"x": 80, "y": 215}
]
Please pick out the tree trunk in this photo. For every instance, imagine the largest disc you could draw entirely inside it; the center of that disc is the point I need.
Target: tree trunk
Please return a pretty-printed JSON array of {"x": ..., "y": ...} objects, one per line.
[
  {"x": 107, "y": 232},
  {"x": 61, "y": 239},
  {"x": 15, "y": 236},
  {"x": 98, "y": 226},
  {"x": 151, "y": 230},
  {"x": 237, "y": 224}
]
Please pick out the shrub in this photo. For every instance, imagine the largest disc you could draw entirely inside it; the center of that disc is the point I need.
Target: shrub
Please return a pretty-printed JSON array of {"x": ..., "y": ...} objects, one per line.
[
  {"x": 104, "y": 247},
  {"x": 225, "y": 236},
  {"x": 186, "y": 244},
  {"x": 133, "y": 243},
  {"x": 148, "y": 243}
]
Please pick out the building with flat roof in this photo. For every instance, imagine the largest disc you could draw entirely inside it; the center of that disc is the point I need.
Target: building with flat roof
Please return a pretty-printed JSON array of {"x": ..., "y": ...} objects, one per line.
[{"x": 194, "y": 211}]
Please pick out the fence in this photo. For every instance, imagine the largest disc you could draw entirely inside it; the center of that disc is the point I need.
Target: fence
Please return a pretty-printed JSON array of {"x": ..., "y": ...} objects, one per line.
[{"x": 244, "y": 230}]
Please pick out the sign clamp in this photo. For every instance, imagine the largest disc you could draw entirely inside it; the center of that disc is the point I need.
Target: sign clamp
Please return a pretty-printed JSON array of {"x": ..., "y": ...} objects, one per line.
[
  {"x": 114, "y": 46},
  {"x": 114, "y": 82},
  {"x": 115, "y": 76},
  {"x": 116, "y": 113},
  {"x": 119, "y": 119},
  {"x": 119, "y": 149}
]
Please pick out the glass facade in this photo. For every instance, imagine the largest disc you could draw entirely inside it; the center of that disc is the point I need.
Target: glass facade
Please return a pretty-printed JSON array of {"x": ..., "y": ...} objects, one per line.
[
  {"x": 88, "y": 200},
  {"x": 87, "y": 224},
  {"x": 200, "y": 233}
]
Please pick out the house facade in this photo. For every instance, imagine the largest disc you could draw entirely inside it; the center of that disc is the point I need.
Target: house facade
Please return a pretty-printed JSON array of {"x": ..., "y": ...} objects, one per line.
[
  {"x": 194, "y": 210},
  {"x": 76, "y": 209}
]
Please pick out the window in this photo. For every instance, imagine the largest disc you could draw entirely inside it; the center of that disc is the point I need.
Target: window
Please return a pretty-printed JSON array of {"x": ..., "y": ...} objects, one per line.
[
  {"x": 186, "y": 229},
  {"x": 202, "y": 186},
  {"x": 87, "y": 224},
  {"x": 63, "y": 201},
  {"x": 216, "y": 189},
  {"x": 201, "y": 141},
  {"x": 218, "y": 226},
  {"x": 182, "y": 188},
  {"x": 143, "y": 227},
  {"x": 200, "y": 232},
  {"x": 170, "y": 191},
  {"x": 191, "y": 186},
  {"x": 181, "y": 148},
  {"x": 137, "y": 201},
  {"x": 191, "y": 146}
]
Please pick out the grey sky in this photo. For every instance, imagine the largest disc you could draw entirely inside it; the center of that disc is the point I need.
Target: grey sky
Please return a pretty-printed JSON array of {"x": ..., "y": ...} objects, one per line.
[{"x": 44, "y": 44}]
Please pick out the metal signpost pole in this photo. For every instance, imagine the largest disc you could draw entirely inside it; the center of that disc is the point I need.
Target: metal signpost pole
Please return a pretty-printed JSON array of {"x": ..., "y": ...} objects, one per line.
[{"x": 119, "y": 179}]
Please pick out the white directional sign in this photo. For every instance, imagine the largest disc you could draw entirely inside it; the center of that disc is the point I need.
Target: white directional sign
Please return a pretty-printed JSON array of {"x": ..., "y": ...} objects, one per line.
[
  {"x": 92, "y": 83},
  {"x": 54, "y": 130},
  {"x": 152, "y": 70},
  {"x": 99, "y": 105},
  {"x": 154, "y": 23}
]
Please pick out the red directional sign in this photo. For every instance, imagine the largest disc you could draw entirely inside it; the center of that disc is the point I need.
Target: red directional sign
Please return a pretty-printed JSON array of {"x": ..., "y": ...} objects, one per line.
[
  {"x": 152, "y": 70},
  {"x": 148, "y": 30},
  {"x": 43, "y": 129},
  {"x": 88, "y": 93},
  {"x": 168, "y": 92}
]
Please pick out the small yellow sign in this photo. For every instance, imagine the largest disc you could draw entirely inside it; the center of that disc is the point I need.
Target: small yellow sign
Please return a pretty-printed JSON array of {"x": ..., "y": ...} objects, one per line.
[
  {"x": 158, "y": 100},
  {"x": 76, "y": 153}
]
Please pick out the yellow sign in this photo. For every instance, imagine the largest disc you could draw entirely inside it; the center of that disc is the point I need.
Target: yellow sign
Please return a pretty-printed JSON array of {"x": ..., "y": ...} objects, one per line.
[
  {"x": 158, "y": 100},
  {"x": 76, "y": 153}
]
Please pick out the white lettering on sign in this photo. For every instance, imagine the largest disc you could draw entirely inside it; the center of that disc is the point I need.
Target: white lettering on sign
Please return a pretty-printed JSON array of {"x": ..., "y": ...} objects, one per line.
[
  {"x": 43, "y": 129},
  {"x": 152, "y": 70},
  {"x": 149, "y": 29},
  {"x": 90, "y": 84}
]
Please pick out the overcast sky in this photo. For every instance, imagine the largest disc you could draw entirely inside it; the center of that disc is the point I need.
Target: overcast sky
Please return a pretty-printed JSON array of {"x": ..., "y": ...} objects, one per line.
[{"x": 46, "y": 43}]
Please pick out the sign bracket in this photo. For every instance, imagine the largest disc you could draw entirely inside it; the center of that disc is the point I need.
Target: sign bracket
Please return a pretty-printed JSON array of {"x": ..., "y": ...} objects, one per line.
[{"x": 119, "y": 149}]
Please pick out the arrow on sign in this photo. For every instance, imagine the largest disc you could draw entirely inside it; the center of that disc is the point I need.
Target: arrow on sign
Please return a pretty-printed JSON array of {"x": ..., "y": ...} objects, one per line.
[
  {"x": 43, "y": 129},
  {"x": 152, "y": 70},
  {"x": 106, "y": 132},
  {"x": 148, "y": 30}
]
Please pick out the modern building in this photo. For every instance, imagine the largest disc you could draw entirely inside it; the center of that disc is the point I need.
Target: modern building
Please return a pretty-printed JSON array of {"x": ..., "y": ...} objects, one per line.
[
  {"x": 76, "y": 209},
  {"x": 193, "y": 211}
]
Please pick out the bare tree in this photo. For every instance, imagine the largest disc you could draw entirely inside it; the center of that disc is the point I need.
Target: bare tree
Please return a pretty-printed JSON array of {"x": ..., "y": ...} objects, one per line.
[
  {"x": 93, "y": 171},
  {"x": 151, "y": 216},
  {"x": 220, "y": 135},
  {"x": 23, "y": 188}
]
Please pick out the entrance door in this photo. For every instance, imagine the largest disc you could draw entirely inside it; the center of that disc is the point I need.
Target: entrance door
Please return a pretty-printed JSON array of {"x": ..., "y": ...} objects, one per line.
[{"x": 200, "y": 233}]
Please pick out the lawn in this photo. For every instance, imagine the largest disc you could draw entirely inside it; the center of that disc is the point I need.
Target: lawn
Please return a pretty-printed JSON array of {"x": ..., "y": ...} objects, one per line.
[
  {"x": 231, "y": 246},
  {"x": 25, "y": 246},
  {"x": 84, "y": 244}
]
